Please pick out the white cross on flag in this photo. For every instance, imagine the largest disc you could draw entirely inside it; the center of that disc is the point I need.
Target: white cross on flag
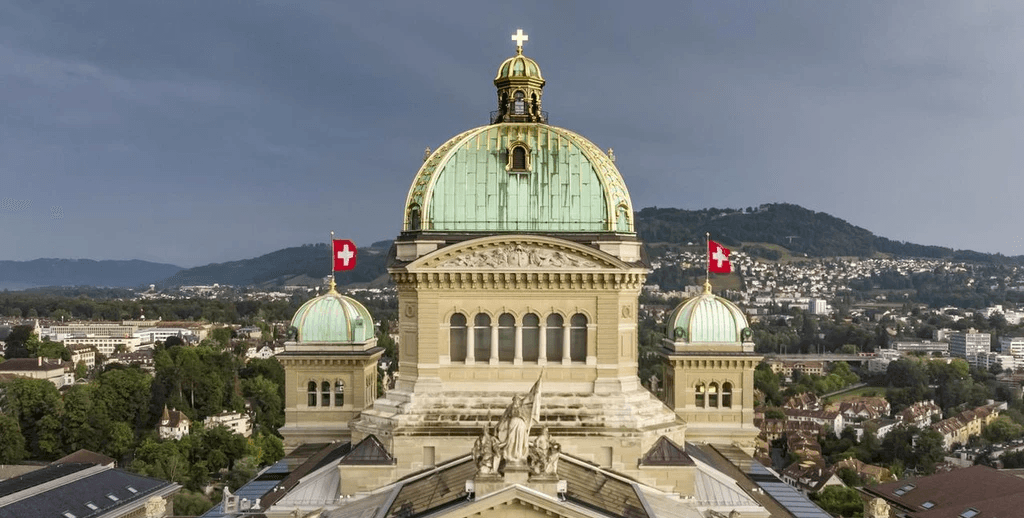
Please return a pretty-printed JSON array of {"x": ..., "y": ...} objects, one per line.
[
  {"x": 718, "y": 258},
  {"x": 344, "y": 255}
]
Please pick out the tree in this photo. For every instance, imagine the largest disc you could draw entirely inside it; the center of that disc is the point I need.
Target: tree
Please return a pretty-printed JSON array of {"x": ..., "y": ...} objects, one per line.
[
  {"x": 35, "y": 404},
  {"x": 840, "y": 501},
  {"x": 189, "y": 503},
  {"x": 269, "y": 406},
  {"x": 12, "y": 443},
  {"x": 1002, "y": 429}
]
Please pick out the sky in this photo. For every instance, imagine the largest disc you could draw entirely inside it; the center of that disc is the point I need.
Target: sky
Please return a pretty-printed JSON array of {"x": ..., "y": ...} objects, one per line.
[{"x": 192, "y": 132}]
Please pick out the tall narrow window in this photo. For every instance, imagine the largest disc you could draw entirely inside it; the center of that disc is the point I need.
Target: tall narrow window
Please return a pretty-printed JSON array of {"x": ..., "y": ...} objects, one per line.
[
  {"x": 519, "y": 158},
  {"x": 578, "y": 337},
  {"x": 482, "y": 337},
  {"x": 713, "y": 395},
  {"x": 311, "y": 394},
  {"x": 519, "y": 104},
  {"x": 339, "y": 393},
  {"x": 727, "y": 395},
  {"x": 506, "y": 337},
  {"x": 698, "y": 395},
  {"x": 531, "y": 337},
  {"x": 457, "y": 337},
  {"x": 554, "y": 337},
  {"x": 325, "y": 393}
]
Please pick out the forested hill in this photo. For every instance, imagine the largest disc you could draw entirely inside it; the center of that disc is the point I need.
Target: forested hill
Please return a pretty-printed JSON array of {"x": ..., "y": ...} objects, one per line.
[
  {"x": 18, "y": 275},
  {"x": 791, "y": 226},
  {"x": 305, "y": 264}
]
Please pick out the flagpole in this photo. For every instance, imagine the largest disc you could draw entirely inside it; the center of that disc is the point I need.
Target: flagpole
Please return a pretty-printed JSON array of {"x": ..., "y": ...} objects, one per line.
[
  {"x": 331, "y": 248},
  {"x": 707, "y": 257}
]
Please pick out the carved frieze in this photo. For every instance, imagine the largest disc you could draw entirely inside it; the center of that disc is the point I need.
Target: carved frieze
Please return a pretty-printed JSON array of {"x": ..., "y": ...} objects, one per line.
[{"x": 517, "y": 256}]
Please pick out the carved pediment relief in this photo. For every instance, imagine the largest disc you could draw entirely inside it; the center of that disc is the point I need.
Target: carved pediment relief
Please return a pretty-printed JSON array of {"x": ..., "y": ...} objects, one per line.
[{"x": 516, "y": 256}]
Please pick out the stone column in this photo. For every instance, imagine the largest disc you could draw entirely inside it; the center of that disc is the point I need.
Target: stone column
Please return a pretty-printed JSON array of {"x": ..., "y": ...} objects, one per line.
[
  {"x": 470, "y": 343},
  {"x": 518, "y": 360},
  {"x": 494, "y": 342},
  {"x": 566, "y": 331},
  {"x": 542, "y": 354}
]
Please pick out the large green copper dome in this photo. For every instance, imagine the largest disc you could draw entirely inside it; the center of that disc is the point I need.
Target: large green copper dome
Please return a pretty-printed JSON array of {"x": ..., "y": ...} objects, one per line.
[
  {"x": 333, "y": 318},
  {"x": 518, "y": 177},
  {"x": 707, "y": 319}
]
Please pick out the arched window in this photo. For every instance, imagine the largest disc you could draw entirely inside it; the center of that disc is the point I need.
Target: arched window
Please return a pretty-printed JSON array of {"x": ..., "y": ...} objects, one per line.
[
  {"x": 311, "y": 394},
  {"x": 457, "y": 333},
  {"x": 727, "y": 395},
  {"x": 414, "y": 217},
  {"x": 554, "y": 337},
  {"x": 506, "y": 337},
  {"x": 325, "y": 393},
  {"x": 482, "y": 337},
  {"x": 519, "y": 103},
  {"x": 339, "y": 393},
  {"x": 698, "y": 397},
  {"x": 578, "y": 337},
  {"x": 518, "y": 159},
  {"x": 713, "y": 395},
  {"x": 531, "y": 337}
]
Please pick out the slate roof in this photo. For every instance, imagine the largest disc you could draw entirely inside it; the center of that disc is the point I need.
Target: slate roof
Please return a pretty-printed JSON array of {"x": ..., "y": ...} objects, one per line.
[
  {"x": 71, "y": 488},
  {"x": 87, "y": 457},
  {"x": 665, "y": 452},
  {"x": 992, "y": 493}
]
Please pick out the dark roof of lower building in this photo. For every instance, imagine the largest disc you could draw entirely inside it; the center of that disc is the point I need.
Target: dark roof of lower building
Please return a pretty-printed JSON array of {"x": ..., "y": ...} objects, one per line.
[
  {"x": 77, "y": 489},
  {"x": 87, "y": 457},
  {"x": 990, "y": 493}
]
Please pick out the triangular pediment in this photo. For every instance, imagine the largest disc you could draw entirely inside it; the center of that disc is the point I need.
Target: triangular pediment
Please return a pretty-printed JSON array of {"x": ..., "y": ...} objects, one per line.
[
  {"x": 519, "y": 502},
  {"x": 517, "y": 252}
]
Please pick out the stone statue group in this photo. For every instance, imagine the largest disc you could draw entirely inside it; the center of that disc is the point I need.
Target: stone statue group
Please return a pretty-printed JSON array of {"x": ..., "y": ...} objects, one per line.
[{"x": 510, "y": 446}]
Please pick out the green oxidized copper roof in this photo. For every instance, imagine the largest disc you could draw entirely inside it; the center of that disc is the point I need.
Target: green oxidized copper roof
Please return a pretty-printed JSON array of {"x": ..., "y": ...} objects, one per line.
[
  {"x": 707, "y": 318},
  {"x": 572, "y": 186},
  {"x": 335, "y": 318}
]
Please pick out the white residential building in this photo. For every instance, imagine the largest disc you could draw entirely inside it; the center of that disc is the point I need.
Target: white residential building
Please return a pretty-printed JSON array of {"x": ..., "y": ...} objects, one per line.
[
  {"x": 161, "y": 334},
  {"x": 969, "y": 345},
  {"x": 237, "y": 422},
  {"x": 1013, "y": 345},
  {"x": 105, "y": 345}
]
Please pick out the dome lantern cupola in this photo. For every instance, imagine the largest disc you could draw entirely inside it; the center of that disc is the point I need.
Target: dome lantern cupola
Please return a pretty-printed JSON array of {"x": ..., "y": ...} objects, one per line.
[
  {"x": 708, "y": 322},
  {"x": 520, "y": 87},
  {"x": 333, "y": 318}
]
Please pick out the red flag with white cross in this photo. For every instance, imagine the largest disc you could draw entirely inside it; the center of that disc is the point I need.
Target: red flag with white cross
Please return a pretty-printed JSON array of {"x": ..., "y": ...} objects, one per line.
[
  {"x": 718, "y": 258},
  {"x": 344, "y": 255}
]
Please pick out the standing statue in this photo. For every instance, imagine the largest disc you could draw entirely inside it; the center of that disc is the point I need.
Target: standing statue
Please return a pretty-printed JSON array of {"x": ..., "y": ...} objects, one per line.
[
  {"x": 515, "y": 423},
  {"x": 487, "y": 453},
  {"x": 544, "y": 455}
]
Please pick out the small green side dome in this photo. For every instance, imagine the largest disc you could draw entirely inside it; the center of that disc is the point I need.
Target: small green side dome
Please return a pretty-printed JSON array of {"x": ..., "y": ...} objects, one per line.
[
  {"x": 518, "y": 66},
  {"x": 708, "y": 318},
  {"x": 333, "y": 318}
]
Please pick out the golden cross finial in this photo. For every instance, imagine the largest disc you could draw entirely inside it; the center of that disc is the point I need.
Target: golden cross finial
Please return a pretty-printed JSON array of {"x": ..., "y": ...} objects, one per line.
[{"x": 519, "y": 38}]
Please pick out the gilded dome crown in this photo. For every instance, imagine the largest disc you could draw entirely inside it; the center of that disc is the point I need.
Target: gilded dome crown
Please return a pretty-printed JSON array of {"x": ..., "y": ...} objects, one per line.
[
  {"x": 333, "y": 318},
  {"x": 518, "y": 66}
]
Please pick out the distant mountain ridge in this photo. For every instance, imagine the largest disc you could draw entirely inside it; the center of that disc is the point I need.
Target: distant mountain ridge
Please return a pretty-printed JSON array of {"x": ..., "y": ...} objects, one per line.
[
  {"x": 306, "y": 264},
  {"x": 19, "y": 275},
  {"x": 799, "y": 230}
]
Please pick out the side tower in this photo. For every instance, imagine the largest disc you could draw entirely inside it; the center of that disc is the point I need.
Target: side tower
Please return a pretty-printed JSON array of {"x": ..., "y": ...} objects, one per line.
[
  {"x": 518, "y": 261},
  {"x": 330, "y": 369},
  {"x": 710, "y": 373}
]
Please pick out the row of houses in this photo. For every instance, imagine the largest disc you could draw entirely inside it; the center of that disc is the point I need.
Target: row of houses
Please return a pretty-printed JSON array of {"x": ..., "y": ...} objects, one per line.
[{"x": 961, "y": 427}]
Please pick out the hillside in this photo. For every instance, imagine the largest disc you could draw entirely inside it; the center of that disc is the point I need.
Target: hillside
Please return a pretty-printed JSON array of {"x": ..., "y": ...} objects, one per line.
[
  {"x": 799, "y": 230},
  {"x": 19, "y": 275},
  {"x": 305, "y": 264}
]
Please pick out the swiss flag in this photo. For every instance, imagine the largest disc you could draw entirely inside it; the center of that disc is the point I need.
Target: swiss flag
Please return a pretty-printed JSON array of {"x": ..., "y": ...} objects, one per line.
[
  {"x": 718, "y": 258},
  {"x": 344, "y": 255}
]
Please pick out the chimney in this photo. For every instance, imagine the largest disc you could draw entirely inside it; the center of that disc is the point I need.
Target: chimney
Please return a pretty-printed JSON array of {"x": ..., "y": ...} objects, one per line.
[{"x": 40, "y": 361}]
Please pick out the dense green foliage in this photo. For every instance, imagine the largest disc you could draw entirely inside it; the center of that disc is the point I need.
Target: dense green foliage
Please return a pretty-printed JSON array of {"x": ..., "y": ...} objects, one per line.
[{"x": 840, "y": 501}]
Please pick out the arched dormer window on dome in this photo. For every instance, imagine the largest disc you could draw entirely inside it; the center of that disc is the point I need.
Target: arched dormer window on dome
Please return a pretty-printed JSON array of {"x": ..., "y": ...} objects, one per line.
[{"x": 518, "y": 158}]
